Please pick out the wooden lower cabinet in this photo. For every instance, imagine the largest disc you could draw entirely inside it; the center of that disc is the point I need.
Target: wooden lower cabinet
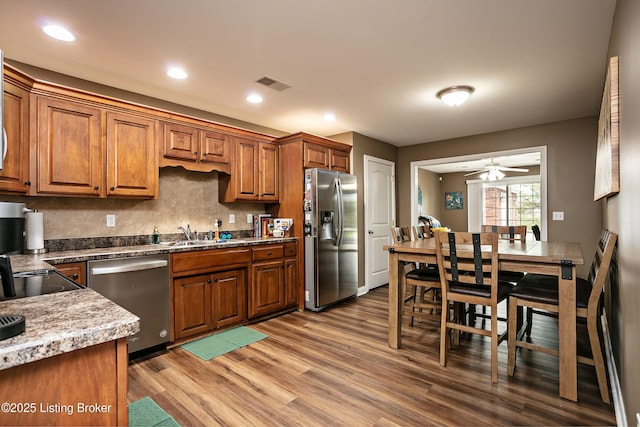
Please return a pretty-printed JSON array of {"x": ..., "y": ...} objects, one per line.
[
  {"x": 86, "y": 387},
  {"x": 267, "y": 293},
  {"x": 76, "y": 271},
  {"x": 208, "y": 301},
  {"x": 274, "y": 279}
]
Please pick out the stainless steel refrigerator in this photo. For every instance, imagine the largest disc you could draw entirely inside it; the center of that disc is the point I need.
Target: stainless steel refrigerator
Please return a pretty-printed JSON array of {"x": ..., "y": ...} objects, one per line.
[{"x": 331, "y": 238}]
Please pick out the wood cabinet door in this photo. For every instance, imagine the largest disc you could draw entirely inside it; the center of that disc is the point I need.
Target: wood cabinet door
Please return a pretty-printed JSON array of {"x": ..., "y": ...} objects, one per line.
[
  {"x": 227, "y": 293},
  {"x": 339, "y": 160},
  {"x": 132, "y": 169},
  {"x": 70, "y": 148},
  {"x": 268, "y": 168},
  {"x": 246, "y": 169},
  {"x": 180, "y": 142},
  {"x": 14, "y": 176},
  {"x": 291, "y": 281},
  {"x": 316, "y": 156},
  {"x": 266, "y": 293},
  {"x": 214, "y": 147},
  {"x": 192, "y": 305},
  {"x": 76, "y": 271}
]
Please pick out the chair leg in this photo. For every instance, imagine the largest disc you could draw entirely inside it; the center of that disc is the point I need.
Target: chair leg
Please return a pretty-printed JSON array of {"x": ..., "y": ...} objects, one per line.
[
  {"x": 598, "y": 361},
  {"x": 529, "y": 321},
  {"x": 512, "y": 335},
  {"x": 494, "y": 348},
  {"x": 444, "y": 340}
]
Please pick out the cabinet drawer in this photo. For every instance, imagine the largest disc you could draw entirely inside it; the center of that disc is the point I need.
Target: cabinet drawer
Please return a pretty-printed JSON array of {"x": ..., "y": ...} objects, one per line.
[
  {"x": 268, "y": 252},
  {"x": 202, "y": 260},
  {"x": 289, "y": 249}
]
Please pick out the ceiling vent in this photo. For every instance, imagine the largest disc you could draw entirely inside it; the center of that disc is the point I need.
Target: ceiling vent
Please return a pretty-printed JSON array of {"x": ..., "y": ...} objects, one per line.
[{"x": 273, "y": 84}]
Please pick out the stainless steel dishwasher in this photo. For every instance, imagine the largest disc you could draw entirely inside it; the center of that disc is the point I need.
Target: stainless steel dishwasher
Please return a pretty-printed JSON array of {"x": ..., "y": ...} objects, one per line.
[{"x": 140, "y": 285}]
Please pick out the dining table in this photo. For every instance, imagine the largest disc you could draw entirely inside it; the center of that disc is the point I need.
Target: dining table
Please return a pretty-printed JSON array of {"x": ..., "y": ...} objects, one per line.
[{"x": 543, "y": 257}]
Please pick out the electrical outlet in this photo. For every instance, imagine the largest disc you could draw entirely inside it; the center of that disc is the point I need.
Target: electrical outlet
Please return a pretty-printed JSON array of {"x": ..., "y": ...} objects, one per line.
[
  {"x": 249, "y": 219},
  {"x": 558, "y": 216},
  {"x": 111, "y": 220},
  {"x": 232, "y": 218}
]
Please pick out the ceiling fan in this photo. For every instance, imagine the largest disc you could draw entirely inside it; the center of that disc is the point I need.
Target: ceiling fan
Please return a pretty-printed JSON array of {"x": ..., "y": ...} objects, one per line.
[{"x": 493, "y": 171}]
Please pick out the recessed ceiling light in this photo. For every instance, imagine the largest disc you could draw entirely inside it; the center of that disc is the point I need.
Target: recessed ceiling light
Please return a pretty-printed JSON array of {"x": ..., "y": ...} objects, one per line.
[
  {"x": 329, "y": 117},
  {"x": 59, "y": 33},
  {"x": 254, "y": 98},
  {"x": 177, "y": 73}
]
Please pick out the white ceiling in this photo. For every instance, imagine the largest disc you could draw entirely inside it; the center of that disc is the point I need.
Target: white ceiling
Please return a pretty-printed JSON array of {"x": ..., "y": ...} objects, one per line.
[{"x": 376, "y": 64}]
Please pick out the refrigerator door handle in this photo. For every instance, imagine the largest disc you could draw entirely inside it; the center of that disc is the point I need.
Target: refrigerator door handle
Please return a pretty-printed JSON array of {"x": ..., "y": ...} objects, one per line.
[{"x": 338, "y": 187}]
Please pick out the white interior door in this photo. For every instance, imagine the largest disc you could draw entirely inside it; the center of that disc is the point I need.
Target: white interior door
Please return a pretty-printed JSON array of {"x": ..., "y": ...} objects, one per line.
[{"x": 379, "y": 217}]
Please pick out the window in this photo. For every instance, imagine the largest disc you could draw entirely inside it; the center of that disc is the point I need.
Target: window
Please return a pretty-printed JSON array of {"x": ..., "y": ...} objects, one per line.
[{"x": 516, "y": 202}]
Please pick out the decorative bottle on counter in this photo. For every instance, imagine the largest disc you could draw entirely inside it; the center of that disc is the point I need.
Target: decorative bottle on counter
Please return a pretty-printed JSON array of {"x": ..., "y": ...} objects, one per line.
[{"x": 155, "y": 237}]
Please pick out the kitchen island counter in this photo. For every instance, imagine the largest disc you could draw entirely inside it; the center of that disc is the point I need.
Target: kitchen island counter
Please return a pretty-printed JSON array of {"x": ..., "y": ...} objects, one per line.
[{"x": 63, "y": 322}]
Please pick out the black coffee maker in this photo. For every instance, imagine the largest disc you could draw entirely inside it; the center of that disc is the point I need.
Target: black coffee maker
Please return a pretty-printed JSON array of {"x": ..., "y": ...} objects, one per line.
[{"x": 11, "y": 241}]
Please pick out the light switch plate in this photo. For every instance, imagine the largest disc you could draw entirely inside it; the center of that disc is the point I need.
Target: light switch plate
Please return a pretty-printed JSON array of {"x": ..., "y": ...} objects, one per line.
[
  {"x": 232, "y": 218},
  {"x": 249, "y": 219},
  {"x": 111, "y": 220},
  {"x": 558, "y": 216}
]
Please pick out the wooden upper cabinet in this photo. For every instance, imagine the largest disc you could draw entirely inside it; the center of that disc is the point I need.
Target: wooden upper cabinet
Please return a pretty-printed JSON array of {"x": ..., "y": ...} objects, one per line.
[
  {"x": 325, "y": 157},
  {"x": 70, "y": 148},
  {"x": 316, "y": 156},
  {"x": 195, "y": 148},
  {"x": 132, "y": 169},
  {"x": 339, "y": 160},
  {"x": 14, "y": 177},
  {"x": 268, "y": 172},
  {"x": 317, "y": 152},
  {"x": 254, "y": 172}
]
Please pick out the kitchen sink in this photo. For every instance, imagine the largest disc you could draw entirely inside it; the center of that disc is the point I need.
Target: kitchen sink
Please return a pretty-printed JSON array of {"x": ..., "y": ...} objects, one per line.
[{"x": 185, "y": 243}]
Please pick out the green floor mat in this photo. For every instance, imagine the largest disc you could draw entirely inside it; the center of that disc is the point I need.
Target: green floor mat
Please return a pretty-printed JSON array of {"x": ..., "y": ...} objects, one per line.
[
  {"x": 145, "y": 412},
  {"x": 216, "y": 345}
]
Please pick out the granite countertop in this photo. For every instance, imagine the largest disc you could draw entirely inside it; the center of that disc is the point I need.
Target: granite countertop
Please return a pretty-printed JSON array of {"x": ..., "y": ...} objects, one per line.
[
  {"x": 20, "y": 263},
  {"x": 63, "y": 322}
]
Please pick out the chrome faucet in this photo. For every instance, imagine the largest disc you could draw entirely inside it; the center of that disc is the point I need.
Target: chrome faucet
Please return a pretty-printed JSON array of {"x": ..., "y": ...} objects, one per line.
[{"x": 187, "y": 232}]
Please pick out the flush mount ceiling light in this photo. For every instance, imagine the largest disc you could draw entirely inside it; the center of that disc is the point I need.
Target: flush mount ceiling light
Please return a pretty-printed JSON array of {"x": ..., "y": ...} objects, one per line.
[
  {"x": 455, "y": 95},
  {"x": 59, "y": 33},
  {"x": 177, "y": 73}
]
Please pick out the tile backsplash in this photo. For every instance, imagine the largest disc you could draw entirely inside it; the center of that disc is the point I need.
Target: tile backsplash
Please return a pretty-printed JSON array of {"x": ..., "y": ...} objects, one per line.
[{"x": 184, "y": 197}]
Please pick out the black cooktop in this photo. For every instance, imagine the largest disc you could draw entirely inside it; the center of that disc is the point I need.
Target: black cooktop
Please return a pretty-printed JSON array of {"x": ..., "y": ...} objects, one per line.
[{"x": 39, "y": 283}]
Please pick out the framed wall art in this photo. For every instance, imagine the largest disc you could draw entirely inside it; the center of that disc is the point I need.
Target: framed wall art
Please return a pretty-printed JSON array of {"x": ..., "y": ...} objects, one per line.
[
  {"x": 453, "y": 200},
  {"x": 607, "y": 180}
]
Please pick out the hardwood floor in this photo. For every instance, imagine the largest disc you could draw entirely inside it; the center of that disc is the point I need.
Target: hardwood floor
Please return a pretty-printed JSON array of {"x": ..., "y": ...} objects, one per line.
[{"x": 335, "y": 368}]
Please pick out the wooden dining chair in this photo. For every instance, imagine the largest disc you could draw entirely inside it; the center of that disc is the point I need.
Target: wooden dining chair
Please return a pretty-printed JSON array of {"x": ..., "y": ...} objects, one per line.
[
  {"x": 511, "y": 233},
  {"x": 417, "y": 280},
  {"x": 468, "y": 264},
  {"x": 429, "y": 300},
  {"x": 541, "y": 292}
]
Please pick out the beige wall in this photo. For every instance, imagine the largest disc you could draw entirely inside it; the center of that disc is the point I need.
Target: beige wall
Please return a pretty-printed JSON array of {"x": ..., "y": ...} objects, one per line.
[
  {"x": 570, "y": 167},
  {"x": 184, "y": 198},
  {"x": 621, "y": 210},
  {"x": 429, "y": 183},
  {"x": 363, "y": 145}
]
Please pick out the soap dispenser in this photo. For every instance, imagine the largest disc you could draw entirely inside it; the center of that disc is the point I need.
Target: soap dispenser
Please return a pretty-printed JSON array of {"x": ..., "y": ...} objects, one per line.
[{"x": 155, "y": 237}]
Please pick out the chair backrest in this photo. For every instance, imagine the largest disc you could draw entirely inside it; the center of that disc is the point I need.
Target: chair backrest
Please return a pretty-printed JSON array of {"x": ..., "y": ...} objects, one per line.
[
  {"x": 421, "y": 232},
  {"x": 468, "y": 258},
  {"x": 599, "y": 270},
  {"x": 400, "y": 234},
  {"x": 507, "y": 232},
  {"x": 536, "y": 231}
]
